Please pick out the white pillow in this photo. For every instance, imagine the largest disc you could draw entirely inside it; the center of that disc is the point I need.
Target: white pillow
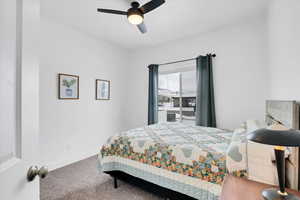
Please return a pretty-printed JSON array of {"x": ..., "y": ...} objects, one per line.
[
  {"x": 252, "y": 125},
  {"x": 237, "y": 153}
]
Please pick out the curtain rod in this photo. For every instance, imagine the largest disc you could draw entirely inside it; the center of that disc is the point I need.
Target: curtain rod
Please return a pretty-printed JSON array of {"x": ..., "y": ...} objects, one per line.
[{"x": 180, "y": 61}]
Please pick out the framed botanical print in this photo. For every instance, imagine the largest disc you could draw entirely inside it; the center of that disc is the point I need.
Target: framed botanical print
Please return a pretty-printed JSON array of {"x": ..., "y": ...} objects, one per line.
[
  {"x": 102, "y": 89},
  {"x": 68, "y": 87}
]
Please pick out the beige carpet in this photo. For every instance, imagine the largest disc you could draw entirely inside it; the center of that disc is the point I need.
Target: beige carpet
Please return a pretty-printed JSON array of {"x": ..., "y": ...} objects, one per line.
[{"x": 81, "y": 181}]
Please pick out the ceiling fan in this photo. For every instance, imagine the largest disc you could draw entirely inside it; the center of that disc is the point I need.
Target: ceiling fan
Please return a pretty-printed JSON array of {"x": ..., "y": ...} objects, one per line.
[{"x": 135, "y": 14}]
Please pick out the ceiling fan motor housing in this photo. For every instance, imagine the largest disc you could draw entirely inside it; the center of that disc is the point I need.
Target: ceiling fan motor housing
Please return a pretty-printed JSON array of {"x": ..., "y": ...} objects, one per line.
[
  {"x": 134, "y": 11},
  {"x": 135, "y": 4}
]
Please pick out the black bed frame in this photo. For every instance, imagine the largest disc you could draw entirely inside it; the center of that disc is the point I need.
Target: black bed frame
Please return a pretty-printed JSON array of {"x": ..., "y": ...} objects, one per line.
[{"x": 147, "y": 186}]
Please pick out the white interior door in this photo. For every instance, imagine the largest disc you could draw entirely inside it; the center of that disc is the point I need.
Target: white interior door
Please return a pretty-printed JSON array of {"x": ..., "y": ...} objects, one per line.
[{"x": 19, "y": 26}]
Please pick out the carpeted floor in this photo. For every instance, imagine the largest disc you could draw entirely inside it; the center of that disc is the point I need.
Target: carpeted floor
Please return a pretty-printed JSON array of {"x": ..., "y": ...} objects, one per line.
[{"x": 81, "y": 181}]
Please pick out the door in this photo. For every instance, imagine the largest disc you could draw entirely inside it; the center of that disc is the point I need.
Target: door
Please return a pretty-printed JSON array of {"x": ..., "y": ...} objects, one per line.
[{"x": 19, "y": 25}]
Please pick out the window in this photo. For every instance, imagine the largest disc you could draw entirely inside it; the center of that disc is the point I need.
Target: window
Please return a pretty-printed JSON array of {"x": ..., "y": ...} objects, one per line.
[{"x": 177, "y": 96}]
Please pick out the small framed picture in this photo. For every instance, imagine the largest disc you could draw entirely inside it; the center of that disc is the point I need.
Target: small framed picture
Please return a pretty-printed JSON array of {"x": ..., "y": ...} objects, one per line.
[
  {"x": 68, "y": 87},
  {"x": 102, "y": 89}
]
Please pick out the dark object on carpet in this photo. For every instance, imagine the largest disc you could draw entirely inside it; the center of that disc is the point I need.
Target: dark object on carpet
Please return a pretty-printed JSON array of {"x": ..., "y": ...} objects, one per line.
[{"x": 82, "y": 181}]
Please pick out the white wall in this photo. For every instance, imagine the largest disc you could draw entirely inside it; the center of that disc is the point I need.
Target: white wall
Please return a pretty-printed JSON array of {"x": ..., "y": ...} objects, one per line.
[
  {"x": 71, "y": 130},
  {"x": 240, "y": 71},
  {"x": 284, "y": 40}
]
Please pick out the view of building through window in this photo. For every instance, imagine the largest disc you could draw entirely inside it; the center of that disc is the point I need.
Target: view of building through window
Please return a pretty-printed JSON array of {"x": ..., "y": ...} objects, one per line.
[{"x": 177, "y": 97}]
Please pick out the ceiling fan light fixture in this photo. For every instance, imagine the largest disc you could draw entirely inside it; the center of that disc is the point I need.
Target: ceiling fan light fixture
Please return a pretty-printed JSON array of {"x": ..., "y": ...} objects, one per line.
[
  {"x": 135, "y": 16},
  {"x": 135, "y": 19}
]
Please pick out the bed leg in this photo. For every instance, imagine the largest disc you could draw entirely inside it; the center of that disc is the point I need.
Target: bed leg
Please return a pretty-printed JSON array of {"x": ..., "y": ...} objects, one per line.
[{"x": 115, "y": 182}]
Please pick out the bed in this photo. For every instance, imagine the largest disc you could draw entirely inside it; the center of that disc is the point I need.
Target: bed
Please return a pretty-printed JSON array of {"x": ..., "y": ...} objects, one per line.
[{"x": 183, "y": 159}]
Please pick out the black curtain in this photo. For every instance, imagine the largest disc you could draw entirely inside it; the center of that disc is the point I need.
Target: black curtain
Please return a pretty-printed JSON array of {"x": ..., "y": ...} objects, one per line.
[
  {"x": 205, "y": 106},
  {"x": 153, "y": 95}
]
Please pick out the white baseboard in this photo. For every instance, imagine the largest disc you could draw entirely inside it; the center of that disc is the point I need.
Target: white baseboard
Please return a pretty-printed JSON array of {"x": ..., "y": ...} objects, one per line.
[{"x": 69, "y": 160}]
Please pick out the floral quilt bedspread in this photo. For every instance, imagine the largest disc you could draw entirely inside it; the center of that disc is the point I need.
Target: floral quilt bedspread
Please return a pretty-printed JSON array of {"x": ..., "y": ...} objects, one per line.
[{"x": 194, "y": 151}]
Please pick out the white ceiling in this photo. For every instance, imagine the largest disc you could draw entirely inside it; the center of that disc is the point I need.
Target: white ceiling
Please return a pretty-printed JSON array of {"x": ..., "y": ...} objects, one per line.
[{"x": 176, "y": 19}]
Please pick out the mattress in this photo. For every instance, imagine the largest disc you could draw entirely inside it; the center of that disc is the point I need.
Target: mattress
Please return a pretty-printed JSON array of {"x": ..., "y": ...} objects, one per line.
[{"x": 185, "y": 158}]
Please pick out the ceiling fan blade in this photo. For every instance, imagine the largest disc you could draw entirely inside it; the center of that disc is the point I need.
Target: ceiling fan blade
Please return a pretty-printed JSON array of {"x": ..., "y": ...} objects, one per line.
[
  {"x": 151, "y": 5},
  {"x": 142, "y": 27},
  {"x": 117, "y": 12}
]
